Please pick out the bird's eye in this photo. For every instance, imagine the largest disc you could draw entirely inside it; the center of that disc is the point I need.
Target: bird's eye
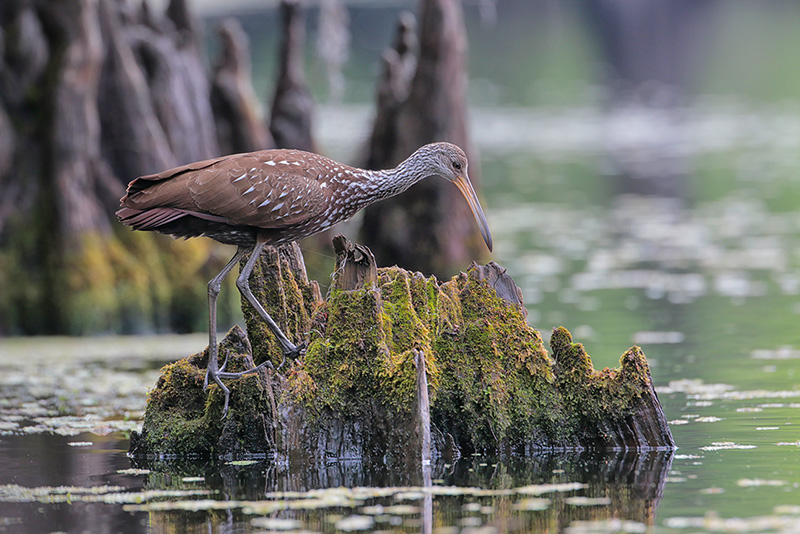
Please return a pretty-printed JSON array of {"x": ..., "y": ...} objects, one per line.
[{"x": 457, "y": 165}]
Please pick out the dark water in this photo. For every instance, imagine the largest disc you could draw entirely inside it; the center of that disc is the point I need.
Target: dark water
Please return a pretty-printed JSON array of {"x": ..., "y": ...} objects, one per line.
[
  {"x": 706, "y": 280},
  {"x": 541, "y": 494}
]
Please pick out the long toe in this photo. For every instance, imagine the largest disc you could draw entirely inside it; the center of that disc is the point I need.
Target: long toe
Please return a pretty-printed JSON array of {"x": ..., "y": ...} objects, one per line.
[
  {"x": 217, "y": 379},
  {"x": 227, "y": 401},
  {"x": 239, "y": 374},
  {"x": 295, "y": 351}
]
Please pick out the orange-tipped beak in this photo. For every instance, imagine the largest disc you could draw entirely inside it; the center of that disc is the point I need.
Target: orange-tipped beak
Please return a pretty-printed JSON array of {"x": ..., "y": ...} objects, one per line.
[{"x": 464, "y": 185}]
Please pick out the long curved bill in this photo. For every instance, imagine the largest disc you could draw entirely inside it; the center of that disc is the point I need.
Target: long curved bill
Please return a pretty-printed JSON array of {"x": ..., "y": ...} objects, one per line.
[{"x": 464, "y": 185}]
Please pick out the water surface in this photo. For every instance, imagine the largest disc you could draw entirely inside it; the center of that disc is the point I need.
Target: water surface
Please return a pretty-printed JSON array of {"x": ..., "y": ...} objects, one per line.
[{"x": 684, "y": 239}]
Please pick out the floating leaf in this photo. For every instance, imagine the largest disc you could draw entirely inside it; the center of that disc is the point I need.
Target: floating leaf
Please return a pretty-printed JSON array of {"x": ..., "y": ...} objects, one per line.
[
  {"x": 355, "y": 522},
  {"x": 588, "y": 501},
  {"x": 532, "y": 504}
]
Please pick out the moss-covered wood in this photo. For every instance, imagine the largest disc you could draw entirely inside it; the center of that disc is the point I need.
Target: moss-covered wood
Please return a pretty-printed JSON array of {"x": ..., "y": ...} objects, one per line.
[{"x": 493, "y": 387}]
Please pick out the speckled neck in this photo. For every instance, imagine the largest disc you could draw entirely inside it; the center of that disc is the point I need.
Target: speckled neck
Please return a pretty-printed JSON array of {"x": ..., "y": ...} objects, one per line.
[{"x": 390, "y": 182}]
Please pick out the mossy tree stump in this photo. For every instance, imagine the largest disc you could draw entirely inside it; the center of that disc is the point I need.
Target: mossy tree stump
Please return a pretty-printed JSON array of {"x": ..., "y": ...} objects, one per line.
[{"x": 492, "y": 385}]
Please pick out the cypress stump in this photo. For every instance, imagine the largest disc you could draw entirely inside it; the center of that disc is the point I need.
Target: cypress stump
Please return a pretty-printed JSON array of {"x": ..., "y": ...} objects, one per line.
[{"x": 400, "y": 366}]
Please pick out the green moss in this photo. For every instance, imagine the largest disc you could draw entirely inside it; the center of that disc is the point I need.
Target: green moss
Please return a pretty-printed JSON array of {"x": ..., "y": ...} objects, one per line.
[
  {"x": 123, "y": 282},
  {"x": 174, "y": 419},
  {"x": 344, "y": 365},
  {"x": 184, "y": 420},
  {"x": 288, "y": 301},
  {"x": 497, "y": 382},
  {"x": 595, "y": 398},
  {"x": 492, "y": 384}
]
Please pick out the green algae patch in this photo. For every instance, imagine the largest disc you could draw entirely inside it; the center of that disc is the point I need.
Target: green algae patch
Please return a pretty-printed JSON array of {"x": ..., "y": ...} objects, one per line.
[{"x": 492, "y": 386}]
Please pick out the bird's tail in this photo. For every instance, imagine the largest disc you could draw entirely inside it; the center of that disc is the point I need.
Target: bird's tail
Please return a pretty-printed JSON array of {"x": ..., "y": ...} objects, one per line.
[{"x": 149, "y": 219}]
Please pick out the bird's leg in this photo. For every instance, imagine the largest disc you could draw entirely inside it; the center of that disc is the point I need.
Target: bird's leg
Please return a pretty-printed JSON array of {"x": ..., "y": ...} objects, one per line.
[
  {"x": 213, "y": 371},
  {"x": 243, "y": 283},
  {"x": 216, "y": 373}
]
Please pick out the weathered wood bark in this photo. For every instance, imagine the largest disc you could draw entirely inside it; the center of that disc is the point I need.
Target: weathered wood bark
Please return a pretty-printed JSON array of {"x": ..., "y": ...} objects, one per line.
[
  {"x": 438, "y": 233},
  {"x": 179, "y": 14},
  {"x": 492, "y": 387},
  {"x": 71, "y": 164},
  {"x": 22, "y": 65},
  {"x": 11, "y": 190},
  {"x": 355, "y": 265},
  {"x": 422, "y": 409},
  {"x": 292, "y": 106},
  {"x": 134, "y": 140},
  {"x": 240, "y": 120},
  {"x": 74, "y": 155},
  {"x": 333, "y": 43},
  {"x": 180, "y": 92}
]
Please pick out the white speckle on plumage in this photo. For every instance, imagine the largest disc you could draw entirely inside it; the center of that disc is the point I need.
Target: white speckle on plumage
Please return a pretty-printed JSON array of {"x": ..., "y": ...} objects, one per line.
[
  {"x": 283, "y": 194},
  {"x": 278, "y": 206},
  {"x": 253, "y": 170},
  {"x": 242, "y": 177},
  {"x": 264, "y": 203},
  {"x": 323, "y": 185},
  {"x": 249, "y": 190},
  {"x": 270, "y": 162}
]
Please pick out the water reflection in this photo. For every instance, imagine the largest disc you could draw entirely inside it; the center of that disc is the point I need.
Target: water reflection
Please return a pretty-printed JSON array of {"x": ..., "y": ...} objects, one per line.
[{"x": 546, "y": 493}]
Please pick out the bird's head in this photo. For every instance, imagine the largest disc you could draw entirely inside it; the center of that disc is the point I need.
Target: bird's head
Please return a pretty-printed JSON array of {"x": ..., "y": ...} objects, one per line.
[
  {"x": 445, "y": 160},
  {"x": 450, "y": 162}
]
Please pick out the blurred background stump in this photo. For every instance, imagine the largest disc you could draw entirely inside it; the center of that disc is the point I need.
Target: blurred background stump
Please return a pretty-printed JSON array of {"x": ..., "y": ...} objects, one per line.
[
  {"x": 421, "y": 98},
  {"x": 94, "y": 93}
]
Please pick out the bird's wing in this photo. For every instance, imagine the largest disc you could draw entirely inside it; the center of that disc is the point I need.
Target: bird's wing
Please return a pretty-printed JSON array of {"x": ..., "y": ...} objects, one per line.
[
  {"x": 143, "y": 183},
  {"x": 268, "y": 189}
]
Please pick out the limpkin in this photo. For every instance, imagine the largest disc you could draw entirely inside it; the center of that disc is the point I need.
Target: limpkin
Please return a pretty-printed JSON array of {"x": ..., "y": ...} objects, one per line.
[{"x": 271, "y": 197}]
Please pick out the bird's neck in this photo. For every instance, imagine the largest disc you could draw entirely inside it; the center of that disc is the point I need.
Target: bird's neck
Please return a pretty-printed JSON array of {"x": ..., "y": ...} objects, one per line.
[
  {"x": 364, "y": 187},
  {"x": 390, "y": 182}
]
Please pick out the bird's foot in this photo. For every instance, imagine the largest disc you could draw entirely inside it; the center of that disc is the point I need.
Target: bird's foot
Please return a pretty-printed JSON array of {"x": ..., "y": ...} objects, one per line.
[
  {"x": 226, "y": 374},
  {"x": 293, "y": 351},
  {"x": 227, "y": 392}
]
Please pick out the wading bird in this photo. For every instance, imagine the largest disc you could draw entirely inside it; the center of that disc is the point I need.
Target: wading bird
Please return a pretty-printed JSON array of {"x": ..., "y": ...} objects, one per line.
[{"x": 272, "y": 197}]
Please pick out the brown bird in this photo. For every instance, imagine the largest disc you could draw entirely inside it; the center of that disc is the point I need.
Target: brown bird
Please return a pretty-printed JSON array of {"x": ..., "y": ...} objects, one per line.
[{"x": 272, "y": 197}]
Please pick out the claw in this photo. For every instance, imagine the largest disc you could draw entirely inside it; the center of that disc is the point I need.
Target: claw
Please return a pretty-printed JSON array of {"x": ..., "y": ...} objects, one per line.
[
  {"x": 219, "y": 375},
  {"x": 295, "y": 352},
  {"x": 247, "y": 371}
]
